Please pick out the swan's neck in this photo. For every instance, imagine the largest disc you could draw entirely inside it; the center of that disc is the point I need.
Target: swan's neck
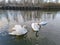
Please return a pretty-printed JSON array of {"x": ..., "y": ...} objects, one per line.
[{"x": 24, "y": 26}]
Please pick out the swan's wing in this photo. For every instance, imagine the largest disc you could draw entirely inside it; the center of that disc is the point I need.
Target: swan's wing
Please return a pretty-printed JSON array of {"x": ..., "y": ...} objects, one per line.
[{"x": 23, "y": 31}]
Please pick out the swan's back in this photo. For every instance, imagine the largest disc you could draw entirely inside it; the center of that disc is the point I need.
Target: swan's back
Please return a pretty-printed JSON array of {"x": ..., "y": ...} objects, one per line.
[
  {"x": 43, "y": 23},
  {"x": 35, "y": 26},
  {"x": 19, "y": 30}
]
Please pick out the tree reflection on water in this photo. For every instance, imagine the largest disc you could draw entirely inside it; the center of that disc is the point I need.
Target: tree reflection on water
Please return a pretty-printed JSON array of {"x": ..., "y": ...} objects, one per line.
[{"x": 10, "y": 18}]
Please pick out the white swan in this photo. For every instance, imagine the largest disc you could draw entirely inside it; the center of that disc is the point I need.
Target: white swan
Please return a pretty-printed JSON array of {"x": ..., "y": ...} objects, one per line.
[
  {"x": 18, "y": 30},
  {"x": 43, "y": 23},
  {"x": 35, "y": 27}
]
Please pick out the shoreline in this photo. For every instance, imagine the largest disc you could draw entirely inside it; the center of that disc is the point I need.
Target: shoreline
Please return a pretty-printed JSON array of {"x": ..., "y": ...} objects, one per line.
[{"x": 29, "y": 8}]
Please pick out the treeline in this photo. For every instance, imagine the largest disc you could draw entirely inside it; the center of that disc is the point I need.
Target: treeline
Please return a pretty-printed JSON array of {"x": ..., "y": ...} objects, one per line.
[{"x": 27, "y": 3}]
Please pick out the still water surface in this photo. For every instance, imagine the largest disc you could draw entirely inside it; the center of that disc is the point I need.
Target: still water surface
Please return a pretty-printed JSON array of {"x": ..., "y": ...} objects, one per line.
[{"x": 48, "y": 34}]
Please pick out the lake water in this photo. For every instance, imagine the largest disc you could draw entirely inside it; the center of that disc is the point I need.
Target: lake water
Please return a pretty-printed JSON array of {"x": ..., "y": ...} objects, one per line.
[{"x": 48, "y": 34}]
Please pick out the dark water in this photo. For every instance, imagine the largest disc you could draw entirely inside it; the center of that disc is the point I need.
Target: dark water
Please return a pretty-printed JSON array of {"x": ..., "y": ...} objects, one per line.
[{"x": 48, "y": 34}]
